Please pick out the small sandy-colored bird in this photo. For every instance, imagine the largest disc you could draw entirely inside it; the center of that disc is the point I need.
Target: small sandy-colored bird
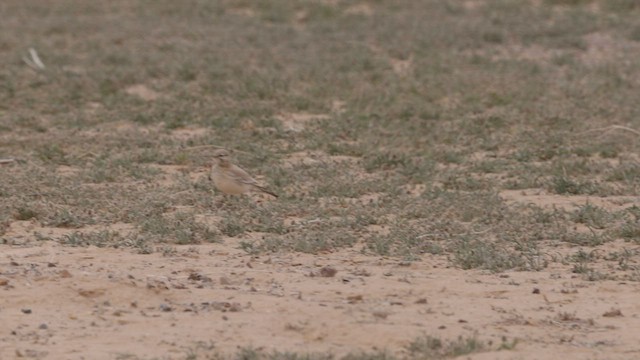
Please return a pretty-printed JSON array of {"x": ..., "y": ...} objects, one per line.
[{"x": 230, "y": 178}]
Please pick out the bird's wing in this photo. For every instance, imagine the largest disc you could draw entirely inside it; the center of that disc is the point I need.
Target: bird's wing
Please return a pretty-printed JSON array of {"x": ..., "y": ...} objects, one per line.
[{"x": 241, "y": 176}]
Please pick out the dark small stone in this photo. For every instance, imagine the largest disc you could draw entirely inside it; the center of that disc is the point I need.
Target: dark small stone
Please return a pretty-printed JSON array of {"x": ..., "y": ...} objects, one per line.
[
  {"x": 328, "y": 271},
  {"x": 536, "y": 291},
  {"x": 43, "y": 326},
  {"x": 26, "y": 311},
  {"x": 613, "y": 313},
  {"x": 195, "y": 276}
]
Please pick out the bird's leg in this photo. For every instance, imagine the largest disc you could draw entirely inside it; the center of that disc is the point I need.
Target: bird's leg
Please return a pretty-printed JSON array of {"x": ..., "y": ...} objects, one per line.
[{"x": 221, "y": 202}]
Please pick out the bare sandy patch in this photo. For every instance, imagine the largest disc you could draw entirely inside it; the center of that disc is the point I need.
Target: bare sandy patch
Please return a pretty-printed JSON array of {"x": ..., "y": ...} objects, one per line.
[
  {"x": 311, "y": 158},
  {"x": 401, "y": 66},
  {"x": 242, "y": 11},
  {"x": 189, "y": 133},
  {"x": 143, "y": 92},
  {"x": 603, "y": 48},
  {"x": 23, "y": 232},
  {"x": 541, "y": 198},
  {"x": 363, "y": 9},
  {"x": 65, "y": 170},
  {"x": 103, "y": 303},
  {"x": 297, "y": 122}
]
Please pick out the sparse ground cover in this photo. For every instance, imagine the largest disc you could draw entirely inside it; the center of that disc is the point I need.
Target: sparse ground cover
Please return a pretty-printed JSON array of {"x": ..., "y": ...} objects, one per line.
[{"x": 486, "y": 140}]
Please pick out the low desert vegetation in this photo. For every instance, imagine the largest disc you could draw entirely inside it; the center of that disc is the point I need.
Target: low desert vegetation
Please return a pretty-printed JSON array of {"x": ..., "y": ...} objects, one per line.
[
  {"x": 496, "y": 134},
  {"x": 424, "y": 347},
  {"x": 392, "y": 128}
]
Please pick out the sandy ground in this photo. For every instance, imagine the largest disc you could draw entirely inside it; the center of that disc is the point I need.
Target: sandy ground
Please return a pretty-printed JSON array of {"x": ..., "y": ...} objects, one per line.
[{"x": 59, "y": 302}]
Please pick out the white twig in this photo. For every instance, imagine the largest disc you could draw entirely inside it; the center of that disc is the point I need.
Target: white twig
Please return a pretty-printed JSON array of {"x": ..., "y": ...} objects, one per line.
[
  {"x": 6, "y": 161},
  {"x": 34, "y": 62},
  {"x": 607, "y": 129},
  {"x": 36, "y": 58}
]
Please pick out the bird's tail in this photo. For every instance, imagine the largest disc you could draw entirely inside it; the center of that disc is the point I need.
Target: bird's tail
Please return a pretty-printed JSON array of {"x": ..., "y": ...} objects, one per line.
[{"x": 264, "y": 190}]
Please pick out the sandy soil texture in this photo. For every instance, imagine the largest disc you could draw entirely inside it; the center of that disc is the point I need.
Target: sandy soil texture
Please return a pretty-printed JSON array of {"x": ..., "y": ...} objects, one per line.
[{"x": 92, "y": 303}]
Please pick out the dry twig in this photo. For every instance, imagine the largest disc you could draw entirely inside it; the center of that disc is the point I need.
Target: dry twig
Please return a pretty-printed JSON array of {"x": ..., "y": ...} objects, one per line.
[
  {"x": 34, "y": 62},
  {"x": 611, "y": 128}
]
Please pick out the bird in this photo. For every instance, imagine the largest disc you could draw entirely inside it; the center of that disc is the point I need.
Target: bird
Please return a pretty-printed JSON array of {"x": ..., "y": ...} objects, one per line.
[{"x": 232, "y": 179}]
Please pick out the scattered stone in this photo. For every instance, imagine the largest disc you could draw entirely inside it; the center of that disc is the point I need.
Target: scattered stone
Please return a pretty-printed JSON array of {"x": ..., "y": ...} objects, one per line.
[
  {"x": 166, "y": 308},
  {"x": 91, "y": 293},
  {"x": 143, "y": 92},
  {"x": 380, "y": 314},
  {"x": 199, "y": 277},
  {"x": 361, "y": 272},
  {"x": 536, "y": 291},
  {"x": 613, "y": 313},
  {"x": 223, "y": 306},
  {"x": 421, "y": 301},
  {"x": 156, "y": 284},
  {"x": 51, "y": 264},
  {"x": 195, "y": 276},
  {"x": 328, "y": 271},
  {"x": 354, "y": 299},
  {"x": 43, "y": 326},
  {"x": 65, "y": 274},
  {"x": 4, "y": 282},
  {"x": 26, "y": 311}
]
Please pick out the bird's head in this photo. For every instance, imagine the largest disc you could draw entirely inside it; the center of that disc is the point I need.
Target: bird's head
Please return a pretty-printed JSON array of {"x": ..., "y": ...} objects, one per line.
[{"x": 221, "y": 156}]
